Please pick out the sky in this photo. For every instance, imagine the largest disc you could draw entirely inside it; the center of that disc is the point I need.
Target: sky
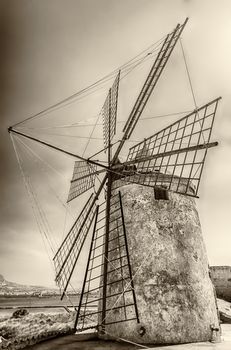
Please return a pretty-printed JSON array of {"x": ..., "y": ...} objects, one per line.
[{"x": 50, "y": 50}]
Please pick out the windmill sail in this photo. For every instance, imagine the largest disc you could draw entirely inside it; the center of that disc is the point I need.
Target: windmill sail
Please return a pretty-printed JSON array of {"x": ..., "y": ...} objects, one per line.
[
  {"x": 152, "y": 78},
  {"x": 82, "y": 180},
  {"x": 109, "y": 112},
  {"x": 68, "y": 253},
  {"x": 84, "y": 174},
  {"x": 150, "y": 83},
  {"x": 120, "y": 296},
  {"x": 175, "y": 153}
]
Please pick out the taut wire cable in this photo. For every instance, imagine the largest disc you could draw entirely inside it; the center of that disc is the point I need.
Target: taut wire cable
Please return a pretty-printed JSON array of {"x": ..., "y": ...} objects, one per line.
[
  {"x": 32, "y": 201},
  {"x": 40, "y": 210},
  {"x": 43, "y": 168},
  {"x": 82, "y": 91},
  {"x": 191, "y": 86}
]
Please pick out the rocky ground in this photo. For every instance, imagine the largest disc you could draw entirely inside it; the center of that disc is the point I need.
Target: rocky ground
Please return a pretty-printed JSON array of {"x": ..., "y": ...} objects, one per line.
[{"x": 21, "y": 331}]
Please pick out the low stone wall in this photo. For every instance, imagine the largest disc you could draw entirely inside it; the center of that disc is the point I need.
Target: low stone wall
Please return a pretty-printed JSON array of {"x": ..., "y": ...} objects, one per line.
[{"x": 221, "y": 277}]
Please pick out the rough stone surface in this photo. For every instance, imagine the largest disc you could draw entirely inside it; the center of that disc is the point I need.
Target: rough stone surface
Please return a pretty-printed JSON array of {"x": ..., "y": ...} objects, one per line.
[
  {"x": 221, "y": 277},
  {"x": 174, "y": 292}
]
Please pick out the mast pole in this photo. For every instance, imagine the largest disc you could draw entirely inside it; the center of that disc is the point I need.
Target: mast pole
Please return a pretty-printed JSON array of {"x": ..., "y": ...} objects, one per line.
[{"x": 89, "y": 161}]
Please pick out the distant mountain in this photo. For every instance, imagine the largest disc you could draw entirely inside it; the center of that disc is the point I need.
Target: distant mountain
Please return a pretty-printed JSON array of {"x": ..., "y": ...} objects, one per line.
[{"x": 8, "y": 288}]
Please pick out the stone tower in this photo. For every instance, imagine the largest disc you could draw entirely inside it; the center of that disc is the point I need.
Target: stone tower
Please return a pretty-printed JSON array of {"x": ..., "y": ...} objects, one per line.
[{"x": 175, "y": 296}]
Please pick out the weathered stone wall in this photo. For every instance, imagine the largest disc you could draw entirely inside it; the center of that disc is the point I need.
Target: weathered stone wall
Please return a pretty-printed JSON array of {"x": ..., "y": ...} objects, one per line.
[
  {"x": 174, "y": 292},
  {"x": 221, "y": 277}
]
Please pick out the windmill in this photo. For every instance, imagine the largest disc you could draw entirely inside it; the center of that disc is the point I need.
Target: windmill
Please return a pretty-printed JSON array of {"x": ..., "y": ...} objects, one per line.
[{"x": 170, "y": 161}]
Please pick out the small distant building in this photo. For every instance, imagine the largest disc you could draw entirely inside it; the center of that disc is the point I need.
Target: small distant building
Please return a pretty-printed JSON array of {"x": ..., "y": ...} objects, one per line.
[{"x": 221, "y": 277}]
